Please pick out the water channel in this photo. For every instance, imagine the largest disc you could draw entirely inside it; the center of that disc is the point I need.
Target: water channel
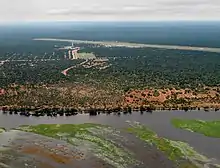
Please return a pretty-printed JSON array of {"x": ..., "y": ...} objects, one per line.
[{"x": 159, "y": 122}]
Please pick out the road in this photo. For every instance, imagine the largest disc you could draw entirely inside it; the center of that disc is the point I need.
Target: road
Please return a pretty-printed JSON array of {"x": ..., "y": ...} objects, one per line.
[
  {"x": 133, "y": 45},
  {"x": 64, "y": 72}
]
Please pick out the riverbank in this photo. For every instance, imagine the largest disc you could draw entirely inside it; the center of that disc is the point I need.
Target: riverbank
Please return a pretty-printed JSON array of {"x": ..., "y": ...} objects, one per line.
[
  {"x": 73, "y": 97},
  {"x": 69, "y": 98},
  {"x": 54, "y": 112}
]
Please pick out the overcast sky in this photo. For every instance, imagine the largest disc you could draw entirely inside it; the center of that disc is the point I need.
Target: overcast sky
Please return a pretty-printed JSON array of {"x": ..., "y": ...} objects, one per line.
[{"x": 56, "y": 10}]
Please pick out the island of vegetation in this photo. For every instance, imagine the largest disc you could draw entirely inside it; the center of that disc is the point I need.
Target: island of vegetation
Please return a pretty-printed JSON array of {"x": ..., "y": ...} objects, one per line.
[{"x": 207, "y": 128}]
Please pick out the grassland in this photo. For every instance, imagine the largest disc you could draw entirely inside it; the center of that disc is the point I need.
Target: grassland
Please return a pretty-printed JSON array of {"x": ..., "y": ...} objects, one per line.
[
  {"x": 207, "y": 128},
  {"x": 183, "y": 154}
]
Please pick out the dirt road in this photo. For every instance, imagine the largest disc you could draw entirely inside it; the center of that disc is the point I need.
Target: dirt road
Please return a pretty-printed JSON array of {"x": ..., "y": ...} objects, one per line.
[{"x": 65, "y": 71}]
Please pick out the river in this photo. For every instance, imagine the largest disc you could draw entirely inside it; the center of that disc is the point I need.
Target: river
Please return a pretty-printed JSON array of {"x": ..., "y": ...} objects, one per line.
[{"x": 159, "y": 122}]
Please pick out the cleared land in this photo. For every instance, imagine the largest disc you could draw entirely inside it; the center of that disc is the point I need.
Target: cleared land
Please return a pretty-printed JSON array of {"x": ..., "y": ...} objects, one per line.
[
  {"x": 208, "y": 128},
  {"x": 132, "y": 45},
  {"x": 171, "y": 97},
  {"x": 86, "y": 55}
]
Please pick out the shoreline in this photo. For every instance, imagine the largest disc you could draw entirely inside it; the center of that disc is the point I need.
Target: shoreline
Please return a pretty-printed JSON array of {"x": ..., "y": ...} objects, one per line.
[{"x": 53, "y": 112}]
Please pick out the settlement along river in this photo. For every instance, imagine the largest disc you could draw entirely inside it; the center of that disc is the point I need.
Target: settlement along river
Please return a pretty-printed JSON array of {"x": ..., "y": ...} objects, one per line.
[{"x": 159, "y": 122}]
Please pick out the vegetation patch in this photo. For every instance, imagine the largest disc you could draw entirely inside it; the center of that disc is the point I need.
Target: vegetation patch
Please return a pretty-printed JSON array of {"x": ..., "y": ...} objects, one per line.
[
  {"x": 156, "y": 93},
  {"x": 2, "y": 130},
  {"x": 89, "y": 138},
  {"x": 207, "y": 128},
  {"x": 180, "y": 152}
]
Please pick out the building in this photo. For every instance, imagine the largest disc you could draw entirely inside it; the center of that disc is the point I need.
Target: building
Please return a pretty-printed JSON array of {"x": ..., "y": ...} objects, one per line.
[{"x": 70, "y": 54}]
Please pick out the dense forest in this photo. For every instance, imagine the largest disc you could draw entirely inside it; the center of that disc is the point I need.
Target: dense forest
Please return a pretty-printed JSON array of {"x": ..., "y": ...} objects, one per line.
[{"x": 134, "y": 68}]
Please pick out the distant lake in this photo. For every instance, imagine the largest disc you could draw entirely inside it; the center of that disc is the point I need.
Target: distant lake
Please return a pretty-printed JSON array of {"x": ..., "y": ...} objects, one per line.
[{"x": 158, "y": 122}]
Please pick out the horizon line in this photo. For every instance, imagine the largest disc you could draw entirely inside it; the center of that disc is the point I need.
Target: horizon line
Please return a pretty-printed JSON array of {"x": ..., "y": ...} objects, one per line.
[{"x": 180, "y": 20}]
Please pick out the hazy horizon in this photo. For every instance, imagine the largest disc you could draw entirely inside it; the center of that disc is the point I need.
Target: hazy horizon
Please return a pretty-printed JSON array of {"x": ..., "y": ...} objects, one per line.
[
  {"x": 96, "y": 10},
  {"x": 108, "y": 22},
  {"x": 201, "y": 34}
]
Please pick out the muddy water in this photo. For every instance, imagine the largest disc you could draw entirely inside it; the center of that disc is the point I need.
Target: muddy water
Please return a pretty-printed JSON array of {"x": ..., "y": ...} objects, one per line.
[{"x": 158, "y": 121}]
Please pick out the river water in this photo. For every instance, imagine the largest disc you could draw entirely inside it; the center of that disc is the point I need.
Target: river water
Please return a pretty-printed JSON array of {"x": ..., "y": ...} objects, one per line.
[{"x": 159, "y": 122}]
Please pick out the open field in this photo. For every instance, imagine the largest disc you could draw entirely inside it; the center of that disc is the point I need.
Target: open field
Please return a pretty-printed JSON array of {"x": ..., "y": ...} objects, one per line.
[
  {"x": 132, "y": 45},
  {"x": 86, "y": 56}
]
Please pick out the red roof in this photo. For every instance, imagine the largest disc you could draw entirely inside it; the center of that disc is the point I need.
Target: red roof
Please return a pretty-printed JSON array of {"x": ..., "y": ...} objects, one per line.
[{"x": 2, "y": 91}]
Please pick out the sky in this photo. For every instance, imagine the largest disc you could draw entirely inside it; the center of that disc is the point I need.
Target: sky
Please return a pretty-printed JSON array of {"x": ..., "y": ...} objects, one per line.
[{"x": 108, "y": 10}]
